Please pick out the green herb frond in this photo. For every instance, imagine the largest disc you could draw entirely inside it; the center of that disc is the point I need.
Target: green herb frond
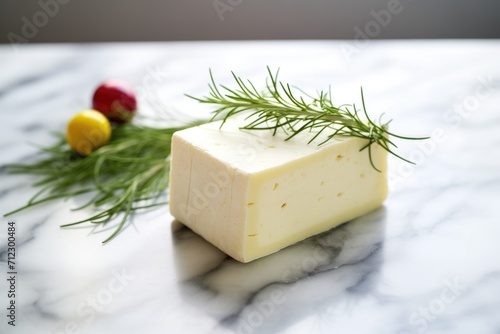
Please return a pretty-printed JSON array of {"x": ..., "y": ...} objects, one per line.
[
  {"x": 278, "y": 107},
  {"x": 127, "y": 174}
]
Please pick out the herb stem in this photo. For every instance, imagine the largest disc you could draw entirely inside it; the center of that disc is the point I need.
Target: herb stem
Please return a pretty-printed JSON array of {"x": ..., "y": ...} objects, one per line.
[
  {"x": 279, "y": 108},
  {"x": 128, "y": 174}
]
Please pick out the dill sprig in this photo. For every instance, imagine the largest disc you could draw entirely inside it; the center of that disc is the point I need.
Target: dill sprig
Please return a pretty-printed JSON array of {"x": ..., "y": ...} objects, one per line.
[
  {"x": 127, "y": 174},
  {"x": 279, "y": 108}
]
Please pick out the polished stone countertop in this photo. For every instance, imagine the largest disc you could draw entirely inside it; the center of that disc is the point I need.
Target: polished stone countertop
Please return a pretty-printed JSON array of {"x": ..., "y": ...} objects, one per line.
[{"x": 425, "y": 262}]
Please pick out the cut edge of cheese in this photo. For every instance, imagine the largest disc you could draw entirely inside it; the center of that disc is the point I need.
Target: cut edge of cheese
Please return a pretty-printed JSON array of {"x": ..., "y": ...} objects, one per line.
[{"x": 282, "y": 205}]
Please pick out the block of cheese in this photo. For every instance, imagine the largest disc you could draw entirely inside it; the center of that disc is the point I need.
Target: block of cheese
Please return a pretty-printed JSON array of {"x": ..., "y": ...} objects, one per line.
[{"x": 250, "y": 193}]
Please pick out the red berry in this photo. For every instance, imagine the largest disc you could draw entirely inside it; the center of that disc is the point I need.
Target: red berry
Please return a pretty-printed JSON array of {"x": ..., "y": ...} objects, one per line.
[{"x": 116, "y": 100}]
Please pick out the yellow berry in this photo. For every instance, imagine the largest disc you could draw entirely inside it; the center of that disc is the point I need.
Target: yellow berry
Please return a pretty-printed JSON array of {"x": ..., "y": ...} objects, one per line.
[{"x": 87, "y": 131}]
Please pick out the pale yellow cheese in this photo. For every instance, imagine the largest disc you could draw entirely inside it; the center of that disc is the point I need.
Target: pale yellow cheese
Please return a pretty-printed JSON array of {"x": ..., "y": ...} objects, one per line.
[{"x": 250, "y": 193}]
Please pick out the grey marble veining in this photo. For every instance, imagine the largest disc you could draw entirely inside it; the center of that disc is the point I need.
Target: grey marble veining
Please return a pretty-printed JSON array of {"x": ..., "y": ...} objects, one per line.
[{"x": 425, "y": 262}]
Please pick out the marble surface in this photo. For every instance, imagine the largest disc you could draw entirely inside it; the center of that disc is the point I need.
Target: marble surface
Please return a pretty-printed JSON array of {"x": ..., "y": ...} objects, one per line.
[{"x": 426, "y": 262}]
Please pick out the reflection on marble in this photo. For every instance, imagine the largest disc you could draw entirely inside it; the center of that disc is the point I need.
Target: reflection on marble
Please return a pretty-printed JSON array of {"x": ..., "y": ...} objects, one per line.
[{"x": 426, "y": 262}]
